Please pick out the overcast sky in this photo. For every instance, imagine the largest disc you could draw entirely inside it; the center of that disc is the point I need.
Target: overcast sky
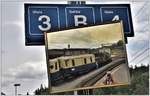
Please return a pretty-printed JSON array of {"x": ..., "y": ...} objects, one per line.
[{"x": 27, "y": 64}]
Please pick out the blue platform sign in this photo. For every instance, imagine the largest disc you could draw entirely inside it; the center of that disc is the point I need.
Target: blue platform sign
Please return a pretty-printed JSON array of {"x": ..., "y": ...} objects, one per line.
[{"x": 40, "y": 18}]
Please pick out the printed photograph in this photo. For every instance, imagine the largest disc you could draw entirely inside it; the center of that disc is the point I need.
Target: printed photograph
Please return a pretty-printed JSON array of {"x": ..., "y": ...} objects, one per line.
[{"x": 87, "y": 58}]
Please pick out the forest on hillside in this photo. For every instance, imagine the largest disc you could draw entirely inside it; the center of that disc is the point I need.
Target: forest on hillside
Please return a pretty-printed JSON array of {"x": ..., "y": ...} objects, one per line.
[{"x": 139, "y": 85}]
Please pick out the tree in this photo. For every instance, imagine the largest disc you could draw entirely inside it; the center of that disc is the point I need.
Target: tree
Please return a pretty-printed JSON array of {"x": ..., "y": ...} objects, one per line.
[
  {"x": 41, "y": 88},
  {"x": 37, "y": 92},
  {"x": 3, "y": 93},
  {"x": 27, "y": 93},
  {"x": 120, "y": 43}
]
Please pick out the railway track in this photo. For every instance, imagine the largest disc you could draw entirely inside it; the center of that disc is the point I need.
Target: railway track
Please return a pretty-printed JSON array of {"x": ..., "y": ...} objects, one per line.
[{"x": 94, "y": 78}]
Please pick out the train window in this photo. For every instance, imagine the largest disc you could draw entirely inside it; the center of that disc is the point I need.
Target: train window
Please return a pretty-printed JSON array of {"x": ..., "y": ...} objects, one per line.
[
  {"x": 59, "y": 63},
  {"x": 56, "y": 66},
  {"x": 85, "y": 61},
  {"x": 51, "y": 66},
  {"x": 91, "y": 59},
  {"x": 73, "y": 63},
  {"x": 66, "y": 63}
]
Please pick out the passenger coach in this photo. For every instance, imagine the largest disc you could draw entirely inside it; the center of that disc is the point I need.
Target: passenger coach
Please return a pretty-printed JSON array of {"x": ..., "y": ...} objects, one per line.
[{"x": 63, "y": 68}]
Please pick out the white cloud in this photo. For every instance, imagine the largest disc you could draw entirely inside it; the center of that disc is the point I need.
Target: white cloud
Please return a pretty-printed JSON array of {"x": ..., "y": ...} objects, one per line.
[
  {"x": 28, "y": 71},
  {"x": 30, "y": 75}
]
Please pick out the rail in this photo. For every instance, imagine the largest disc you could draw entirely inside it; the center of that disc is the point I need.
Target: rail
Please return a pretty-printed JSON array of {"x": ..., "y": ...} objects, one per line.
[{"x": 92, "y": 79}]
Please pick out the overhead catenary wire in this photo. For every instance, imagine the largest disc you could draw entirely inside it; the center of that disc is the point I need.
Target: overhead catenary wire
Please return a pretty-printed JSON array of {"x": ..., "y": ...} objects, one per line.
[
  {"x": 144, "y": 28},
  {"x": 140, "y": 10},
  {"x": 138, "y": 51},
  {"x": 143, "y": 59},
  {"x": 140, "y": 31},
  {"x": 141, "y": 53},
  {"x": 138, "y": 54}
]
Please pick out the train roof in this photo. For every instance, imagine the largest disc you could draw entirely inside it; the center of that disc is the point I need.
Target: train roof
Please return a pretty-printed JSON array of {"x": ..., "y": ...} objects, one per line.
[
  {"x": 52, "y": 60},
  {"x": 75, "y": 56},
  {"x": 70, "y": 57}
]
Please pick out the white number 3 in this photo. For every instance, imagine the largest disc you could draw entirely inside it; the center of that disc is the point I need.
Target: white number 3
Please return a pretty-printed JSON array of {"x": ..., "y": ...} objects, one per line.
[{"x": 46, "y": 22}]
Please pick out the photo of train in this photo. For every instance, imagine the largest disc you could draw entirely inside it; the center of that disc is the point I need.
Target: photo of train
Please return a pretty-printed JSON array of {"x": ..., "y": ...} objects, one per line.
[
  {"x": 82, "y": 57},
  {"x": 66, "y": 67},
  {"x": 63, "y": 68}
]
